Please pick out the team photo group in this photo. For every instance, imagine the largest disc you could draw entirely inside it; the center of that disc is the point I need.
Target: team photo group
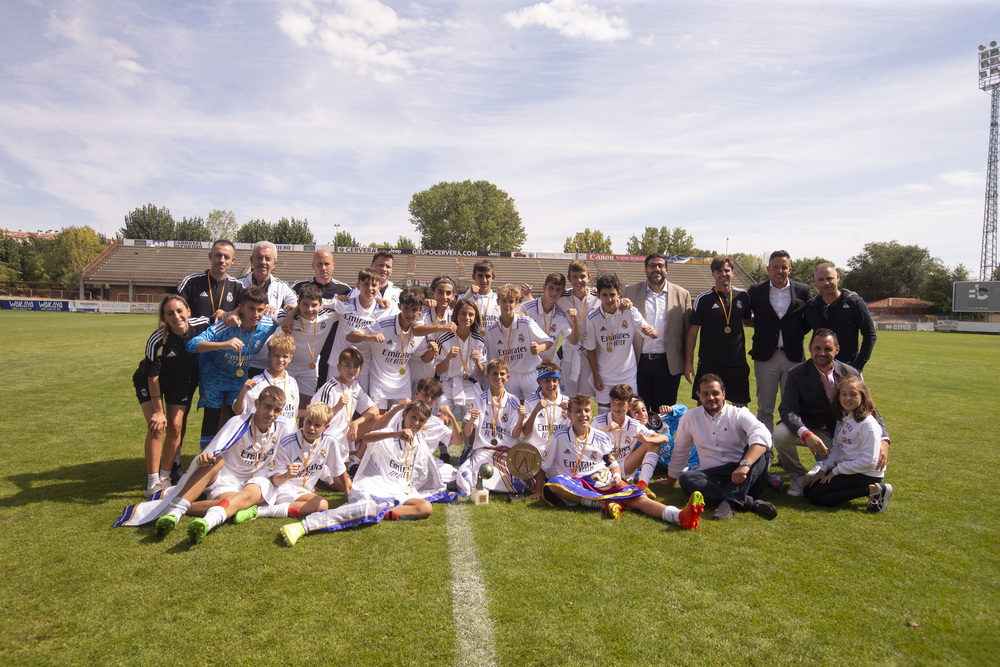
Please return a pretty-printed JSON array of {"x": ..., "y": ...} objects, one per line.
[{"x": 565, "y": 392}]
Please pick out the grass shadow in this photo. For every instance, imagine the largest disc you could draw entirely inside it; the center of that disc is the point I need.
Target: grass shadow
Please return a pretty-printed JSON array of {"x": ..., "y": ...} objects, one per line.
[{"x": 94, "y": 483}]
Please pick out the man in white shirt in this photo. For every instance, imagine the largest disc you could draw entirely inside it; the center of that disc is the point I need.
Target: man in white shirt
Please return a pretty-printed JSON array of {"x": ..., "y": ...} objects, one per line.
[
  {"x": 735, "y": 452},
  {"x": 263, "y": 259},
  {"x": 667, "y": 308}
]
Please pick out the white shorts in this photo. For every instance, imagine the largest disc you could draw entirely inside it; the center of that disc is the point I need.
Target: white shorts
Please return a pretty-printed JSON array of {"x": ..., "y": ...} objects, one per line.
[
  {"x": 228, "y": 482},
  {"x": 522, "y": 385},
  {"x": 289, "y": 493}
]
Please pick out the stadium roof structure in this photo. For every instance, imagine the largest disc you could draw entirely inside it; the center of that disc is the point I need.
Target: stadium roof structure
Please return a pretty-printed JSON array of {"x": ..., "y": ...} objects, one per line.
[{"x": 138, "y": 263}]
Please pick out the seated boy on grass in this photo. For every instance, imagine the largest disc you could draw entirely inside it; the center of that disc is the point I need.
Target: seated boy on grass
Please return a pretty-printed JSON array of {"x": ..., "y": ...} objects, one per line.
[
  {"x": 396, "y": 480},
  {"x": 280, "y": 348},
  {"x": 580, "y": 469},
  {"x": 242, "y": 450},
  {"x": 225, "y": 355},
  {"x": 636, "y": 447},
  {"x": 493, "y": 425},
  {"x": 302, "y": 458},
  {"x": 441, "y": 430}
]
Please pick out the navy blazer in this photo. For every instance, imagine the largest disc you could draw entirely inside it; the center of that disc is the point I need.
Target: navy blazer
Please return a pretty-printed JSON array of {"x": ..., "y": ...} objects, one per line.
[
  {"x": 766, "y": 324},
  {"x": 804, "y": 401}
]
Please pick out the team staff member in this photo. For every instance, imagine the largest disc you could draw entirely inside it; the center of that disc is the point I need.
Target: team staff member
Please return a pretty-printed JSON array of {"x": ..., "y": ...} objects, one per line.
[
  {"x": 213, "y": 293},
  {"x": 322, "y": 266},
  {"x": 846, "y": 313},
  {"x": 778, "y": 307},
  {"x": 718, "y": 314},
  {"x": 263, "y": 259},
  {"x": 667, "y": 308}
]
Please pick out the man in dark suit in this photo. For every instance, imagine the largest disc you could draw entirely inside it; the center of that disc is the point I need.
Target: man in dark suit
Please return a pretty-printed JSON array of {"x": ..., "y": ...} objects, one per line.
[
  {"x": 778, "y": 307},
  {"x": 806, "y": 419},
  {"x": 667, "y": 307}
]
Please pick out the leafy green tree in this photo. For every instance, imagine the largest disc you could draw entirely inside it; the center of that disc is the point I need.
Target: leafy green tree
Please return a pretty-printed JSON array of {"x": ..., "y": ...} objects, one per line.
[
  {"x": 192, "y": 229},
  {"x": 673, "y": 242},
  {"x": 292, "y": 231},
  {"x": 588, "y": 241},
  {"x": 148, "y": 222},
  {"x": 938, "y": 289},
  {"x": 754, "y": 265},
  {"x": 405, "y": 243},
  {"x": 11, "y": 258},
  {"x": 344, "y": 240},
  {"x": 221, "y": 224},
  {"x": 253, "y": 231},
  {"x": 886, "y": 269},
  {"x": 34, "y": 252},
  {"x": 467, "y": 215},
  {"x": 70, "y": 251},
  {"x": 804, "y": 269}
]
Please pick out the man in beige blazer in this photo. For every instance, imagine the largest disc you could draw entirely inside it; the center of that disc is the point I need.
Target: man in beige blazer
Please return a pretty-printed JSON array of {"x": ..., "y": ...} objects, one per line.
[{"x": 667, "y": 307}]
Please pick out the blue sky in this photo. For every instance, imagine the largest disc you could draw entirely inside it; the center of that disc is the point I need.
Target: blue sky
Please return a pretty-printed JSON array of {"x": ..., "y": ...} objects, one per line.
[{"x": 810, "y": 126}]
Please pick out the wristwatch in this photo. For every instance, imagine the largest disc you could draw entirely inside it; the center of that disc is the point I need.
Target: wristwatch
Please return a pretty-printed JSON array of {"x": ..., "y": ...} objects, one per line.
[{"x": 744, "y": 462}]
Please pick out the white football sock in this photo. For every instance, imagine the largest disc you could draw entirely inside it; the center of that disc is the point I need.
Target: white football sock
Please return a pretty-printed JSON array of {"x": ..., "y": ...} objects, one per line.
[
  {"x": 649, "y": 462},
  {"x": 215, "y": 517},
  {"x": 178, "y": 507},
  {"x": 591, "y": 502},
  {"x": 671, "y": 514},
  {"x": 164, "y": 474},
  {"x": 273, "y": 511},
  {"x": 152, "y": 479}
]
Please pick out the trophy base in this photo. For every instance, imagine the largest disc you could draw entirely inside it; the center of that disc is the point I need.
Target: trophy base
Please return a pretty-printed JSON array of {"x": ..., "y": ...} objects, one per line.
[{"x": 480, "y": 497}]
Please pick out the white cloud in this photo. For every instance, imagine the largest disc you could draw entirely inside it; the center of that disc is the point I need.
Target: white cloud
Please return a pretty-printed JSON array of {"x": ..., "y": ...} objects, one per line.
[
  {"x": 964, "y": 178},
  {"x": 573, "y": 19},
  {"x": 362, "y": 36}
]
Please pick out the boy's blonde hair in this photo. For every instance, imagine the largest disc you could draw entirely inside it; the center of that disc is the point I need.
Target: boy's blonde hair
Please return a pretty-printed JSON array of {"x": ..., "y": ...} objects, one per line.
[
  {"x": 319, "y": 413},
  {"x": 509, "y": 293},
  {"x": 276, "y": 394},
  {"x": 281, "y": 342}
]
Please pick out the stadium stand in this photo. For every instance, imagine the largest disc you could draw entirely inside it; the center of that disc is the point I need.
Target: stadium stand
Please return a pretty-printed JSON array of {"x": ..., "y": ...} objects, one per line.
[{"x": 144, "y": 274}]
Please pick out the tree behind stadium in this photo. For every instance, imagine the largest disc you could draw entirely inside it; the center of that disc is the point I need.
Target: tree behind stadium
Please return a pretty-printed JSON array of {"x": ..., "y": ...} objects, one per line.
[
  {"x": 148, "y": 222},
  {"x": 467, "y": 216}
]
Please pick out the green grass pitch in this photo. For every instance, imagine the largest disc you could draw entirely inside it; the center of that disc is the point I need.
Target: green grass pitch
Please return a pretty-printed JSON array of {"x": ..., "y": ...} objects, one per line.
[{"x": 915, "y": 585}]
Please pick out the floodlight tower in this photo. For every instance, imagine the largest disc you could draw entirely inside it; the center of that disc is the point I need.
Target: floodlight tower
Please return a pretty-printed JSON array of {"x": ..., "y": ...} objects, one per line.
[{"x": 989, "y": 80}]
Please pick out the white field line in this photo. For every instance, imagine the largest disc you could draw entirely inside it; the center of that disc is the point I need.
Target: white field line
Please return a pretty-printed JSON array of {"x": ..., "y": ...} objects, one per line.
[{"x": 473, "y": 627}]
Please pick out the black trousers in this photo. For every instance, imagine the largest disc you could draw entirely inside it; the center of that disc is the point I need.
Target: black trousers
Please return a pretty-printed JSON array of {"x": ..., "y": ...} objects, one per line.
[
  {"x": 654, "y": 383},
  {"x": 716, "y": 484}
]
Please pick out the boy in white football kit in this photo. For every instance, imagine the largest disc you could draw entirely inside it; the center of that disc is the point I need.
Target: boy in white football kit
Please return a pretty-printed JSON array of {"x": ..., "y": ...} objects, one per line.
[
  {"x": 549, "y": 317},
  {"x": 309, "y": 325},
  {"x": 241, "y": 450},
  {"x": 394, "y": 340},
  {"x": 280, "y": 349},
  {"x": 577, "y": 302},
  {"x": 517, "y": 340},
  {"x": 608, "y": 338},
  {"x": 357, "y": 313},
  {"x": 303, "y": 457},
  {"x": 481, "y": 294},
  {"x": 580, "y": 469},
  {"x": 636, "y": 447},
  {"x": 442, "y": 295},
  {"x": 545, "y": 409},
  {"x": 494, "y": 424},
  {"x": 345, "y": 395},
  {"x": 396, "y": 480}
]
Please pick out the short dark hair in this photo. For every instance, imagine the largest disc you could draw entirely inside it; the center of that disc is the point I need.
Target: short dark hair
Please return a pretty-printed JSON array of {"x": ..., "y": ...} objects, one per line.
[
  {"x": 607, "y": 282},
  {"x": 421, "y": 408},
  {"x": 711, "y": 377},
  {"x": 412, "y": 296},
  {"x": 381, "y": 253},
  {"x": 824, "y": 333},
  {"x": 652, "y": 256},
  {"x": 557, "y": 279},
  {"x": 779, "y": 253},
  {"x": 432, "y": 385},
  {"x": 720, "y": 260},
  {"x": 482, "y": 266},
  {"x": 351, "y": 354},
  {"x": 253, "y": 294},
  {"x": 310, "y": 291},
  {"x": 223, "y": 242}
]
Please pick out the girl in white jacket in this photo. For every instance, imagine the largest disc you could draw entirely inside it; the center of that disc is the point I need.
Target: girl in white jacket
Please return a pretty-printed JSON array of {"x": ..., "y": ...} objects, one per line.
[{"x": 850, "y": 471}]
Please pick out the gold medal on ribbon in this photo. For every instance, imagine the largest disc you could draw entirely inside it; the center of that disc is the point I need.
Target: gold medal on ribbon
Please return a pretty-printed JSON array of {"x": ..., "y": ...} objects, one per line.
[
  {"x": 312, "y": 366},
  {"x": 493, "y": 442},
  {"x": 239, "y": 372},
  {"x": 406, "y": 488},
  {"x": 727, "y": 330},
  {"x": 609, "y": 349},
  {"x": 402, "y": 371}
]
